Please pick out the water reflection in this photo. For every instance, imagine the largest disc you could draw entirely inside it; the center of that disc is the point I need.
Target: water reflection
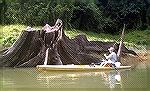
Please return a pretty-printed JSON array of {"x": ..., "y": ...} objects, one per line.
[
  {"x": 112, "y": 79},
  {"x": 31, "y": 78},
  {"x": 65, "y": 79},
  {"x": 108, "y": 79}
]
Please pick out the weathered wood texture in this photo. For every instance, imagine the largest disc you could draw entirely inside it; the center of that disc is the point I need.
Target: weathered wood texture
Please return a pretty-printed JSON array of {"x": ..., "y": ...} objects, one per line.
[{"x": 29, "y": 50}]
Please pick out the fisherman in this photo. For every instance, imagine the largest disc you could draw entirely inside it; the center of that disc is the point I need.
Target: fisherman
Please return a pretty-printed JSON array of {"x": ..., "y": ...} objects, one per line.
[{"x": 111, "y": 58}]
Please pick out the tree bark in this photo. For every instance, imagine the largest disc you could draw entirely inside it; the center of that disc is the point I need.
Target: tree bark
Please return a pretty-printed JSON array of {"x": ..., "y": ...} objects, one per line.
[{"x": 30, "y": 49}]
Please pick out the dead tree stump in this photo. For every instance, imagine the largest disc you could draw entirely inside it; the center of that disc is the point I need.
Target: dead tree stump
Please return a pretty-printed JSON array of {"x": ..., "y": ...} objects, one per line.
[{"x": 30, "y": 50}]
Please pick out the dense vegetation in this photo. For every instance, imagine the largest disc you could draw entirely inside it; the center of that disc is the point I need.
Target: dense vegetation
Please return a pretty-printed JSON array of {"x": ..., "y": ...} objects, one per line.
[
  {"x": 101, "y": 16},
  {"x": 95, "y": 15}
]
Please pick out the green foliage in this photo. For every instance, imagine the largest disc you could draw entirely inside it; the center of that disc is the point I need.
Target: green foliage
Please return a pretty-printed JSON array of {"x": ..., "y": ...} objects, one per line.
[
  {"x": 101, "y": 16},
  {"x": 138, "y": 37},
  {"x": 130, "y": 12},
  {"x": 10, "y": 33}
]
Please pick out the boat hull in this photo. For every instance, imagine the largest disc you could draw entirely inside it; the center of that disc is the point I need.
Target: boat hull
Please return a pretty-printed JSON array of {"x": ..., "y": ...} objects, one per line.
[{"x": 77, "y": 68}]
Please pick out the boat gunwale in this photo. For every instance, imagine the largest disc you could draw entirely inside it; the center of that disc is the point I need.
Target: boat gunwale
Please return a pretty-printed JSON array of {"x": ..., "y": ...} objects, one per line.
[{"x": 77, "y": 67}]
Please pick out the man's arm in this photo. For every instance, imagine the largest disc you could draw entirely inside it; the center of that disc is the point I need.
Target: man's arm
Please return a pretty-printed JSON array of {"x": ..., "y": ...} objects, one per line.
[{"x": 109, "y": 56}]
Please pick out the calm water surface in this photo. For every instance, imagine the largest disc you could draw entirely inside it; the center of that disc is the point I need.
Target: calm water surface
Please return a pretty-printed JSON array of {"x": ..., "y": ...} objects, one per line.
[{"x": 30, "y": 79}]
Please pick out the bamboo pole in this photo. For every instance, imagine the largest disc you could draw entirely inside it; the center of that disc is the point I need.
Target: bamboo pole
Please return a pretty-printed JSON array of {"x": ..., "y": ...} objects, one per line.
[{"x": 119, "y": 53}]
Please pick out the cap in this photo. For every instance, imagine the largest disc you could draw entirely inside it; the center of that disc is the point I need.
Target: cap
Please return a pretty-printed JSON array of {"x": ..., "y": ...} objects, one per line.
[{"x": 111, "y": 48}]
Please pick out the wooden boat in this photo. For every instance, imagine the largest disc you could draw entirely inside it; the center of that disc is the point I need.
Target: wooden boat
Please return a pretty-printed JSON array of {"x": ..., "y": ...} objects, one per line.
[{"x": 77, "y": 68}]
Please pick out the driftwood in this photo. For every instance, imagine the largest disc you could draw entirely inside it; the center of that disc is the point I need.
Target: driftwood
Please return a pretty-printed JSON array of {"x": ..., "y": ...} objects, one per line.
[{"x": 29, "y": 50}]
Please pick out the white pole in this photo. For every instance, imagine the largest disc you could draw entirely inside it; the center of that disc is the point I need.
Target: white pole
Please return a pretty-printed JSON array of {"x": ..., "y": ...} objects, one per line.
[
  {"x": 121, "y": 44},
  {"x": 46, "y": 57}
]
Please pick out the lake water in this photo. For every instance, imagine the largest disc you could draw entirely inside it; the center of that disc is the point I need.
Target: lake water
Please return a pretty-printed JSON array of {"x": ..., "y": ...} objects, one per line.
[{"x": 30, "y": 79}]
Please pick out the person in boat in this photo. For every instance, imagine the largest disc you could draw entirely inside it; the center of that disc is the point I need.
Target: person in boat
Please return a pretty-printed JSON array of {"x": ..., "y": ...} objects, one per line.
[{"x": 111, "y": 58}]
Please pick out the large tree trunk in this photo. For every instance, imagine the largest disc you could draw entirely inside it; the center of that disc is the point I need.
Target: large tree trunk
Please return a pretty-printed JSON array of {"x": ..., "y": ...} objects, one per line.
[
  {"x": 25, "y": 48},
  {"x": 30, "y": 49}
]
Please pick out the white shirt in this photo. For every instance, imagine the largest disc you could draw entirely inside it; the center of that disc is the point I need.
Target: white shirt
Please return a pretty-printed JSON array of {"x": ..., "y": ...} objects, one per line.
[{"x": 112, "y": 57}]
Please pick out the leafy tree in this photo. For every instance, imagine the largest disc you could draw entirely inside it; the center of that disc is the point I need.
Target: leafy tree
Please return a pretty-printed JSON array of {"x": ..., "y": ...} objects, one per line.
[
  {"x": 130, "y": 12},
  {"x": 3, "y": 9},
  {"x": 91, "y": 15}
]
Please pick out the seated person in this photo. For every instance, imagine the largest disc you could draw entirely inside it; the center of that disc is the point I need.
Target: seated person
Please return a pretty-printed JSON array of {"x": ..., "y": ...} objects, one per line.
[{"x": 112, "y": 58}]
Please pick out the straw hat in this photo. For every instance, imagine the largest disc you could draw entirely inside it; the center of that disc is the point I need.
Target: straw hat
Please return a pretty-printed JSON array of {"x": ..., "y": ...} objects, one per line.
[{"x": 111, "y": 49}]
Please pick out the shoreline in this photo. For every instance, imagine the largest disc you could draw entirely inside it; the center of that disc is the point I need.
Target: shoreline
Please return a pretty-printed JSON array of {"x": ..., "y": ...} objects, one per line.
[{"x": 10, "y": 33}]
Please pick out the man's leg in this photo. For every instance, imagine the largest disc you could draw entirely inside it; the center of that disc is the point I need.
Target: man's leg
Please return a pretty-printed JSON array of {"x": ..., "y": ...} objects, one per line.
[
  {"x": 101, "y": 63},
  {"x": 114, "y": 66},
  {"x": 105, "y": 63}
]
